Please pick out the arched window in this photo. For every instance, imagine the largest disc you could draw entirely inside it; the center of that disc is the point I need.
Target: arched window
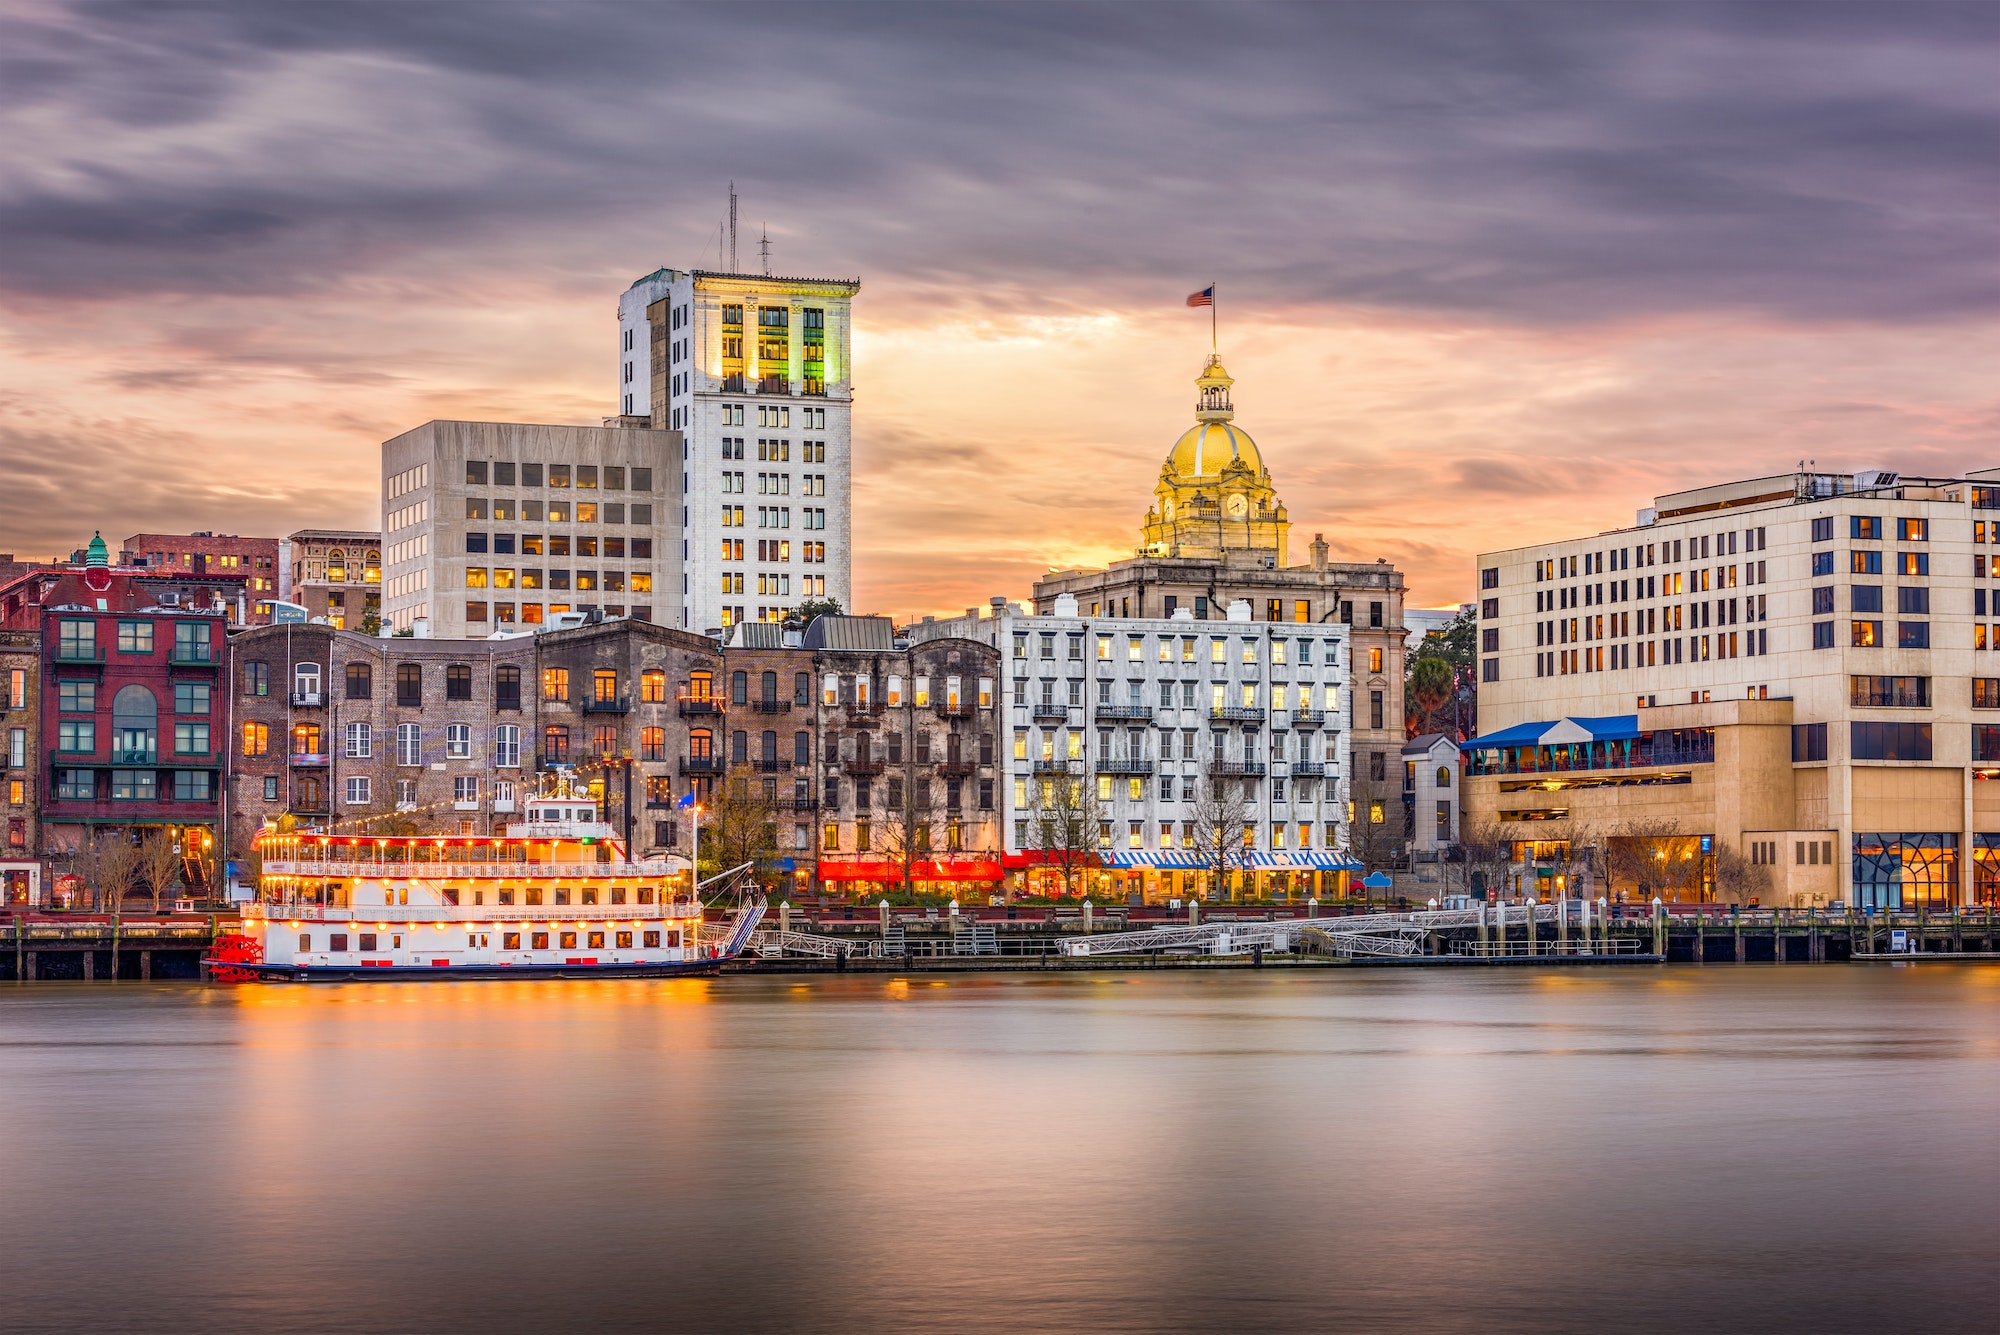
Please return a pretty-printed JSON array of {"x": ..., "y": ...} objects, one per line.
[
  {"x": 701, "y": 742},
  {"x": 767, "y": 749},
  {"x": 1444, "y": 776},
  {"x": 739, "y": 688},
  {"x": 311, "y": 793},
  {"x": 652, "y": 686},
  {"x": 360, "y": 681},
  {"x": 739, "y": 744},
  {"x": 652, "y": 743},
  {"x": 305, "y": 682},
  {"x": 371, "y": 568},
  {"x": 336, "y": 566},
  {"x": 458, "y": 682},
  {"x": 802, "y": 688},
  {"x": 135, "y": 724},
  {"x": 770, "y": 684},
  {"x": 507, "y": 688},
  {"x": 802, "y": 748},
  {"x": 701, "y": 685}
]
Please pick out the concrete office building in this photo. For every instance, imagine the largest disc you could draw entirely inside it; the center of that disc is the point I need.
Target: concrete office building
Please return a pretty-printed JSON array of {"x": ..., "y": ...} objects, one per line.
[
  {"x": 755, "y": 373},
  {"x": 1797, "y": 673},
  {"x": 488, "y": 526}
]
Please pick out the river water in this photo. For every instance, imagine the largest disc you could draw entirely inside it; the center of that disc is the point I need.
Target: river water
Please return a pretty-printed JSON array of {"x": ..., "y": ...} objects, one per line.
[{"x": 1729, "y": 1148}]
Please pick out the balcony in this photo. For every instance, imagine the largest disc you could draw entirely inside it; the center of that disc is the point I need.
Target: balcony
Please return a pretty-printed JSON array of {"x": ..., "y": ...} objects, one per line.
[
  {"x": 864, "y": 708},
  {"x": 1051, "y": 711},
  {"x": 71, "y": 654},
  {"x": 773, "y": 384},
  {"x": 1308, "y": 718},
  {"x": 1052, "y": 767},
  {"x": 616, "y": 705},
  {"x": 701, "y": 764},
  {"x": 868, "y": 765},
  {"x": 958, "y": 768},
  {"x": 1240, "y": 769},
  {"x": 764, "y": 766},
  {"x": 771, "y": 706},
  {"x": 1135, "y": 713},
  {"x": 200, "y": 656},
  {"x": 795, "y": 804},
  {"x": 959, "y": 708},
  {"x": 1250, "y": 714},
  {"x": 696, "y": 706},
  {"x": 1308, "y": 769},
  {"x": 309, "y": 759},
  {"x": 1123, "y": 765},
  {"x": 308, "y": 699}
]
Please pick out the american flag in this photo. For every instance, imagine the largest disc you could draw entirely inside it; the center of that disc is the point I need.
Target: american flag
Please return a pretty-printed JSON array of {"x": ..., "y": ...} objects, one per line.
[{"x": 1205, "y": 297}]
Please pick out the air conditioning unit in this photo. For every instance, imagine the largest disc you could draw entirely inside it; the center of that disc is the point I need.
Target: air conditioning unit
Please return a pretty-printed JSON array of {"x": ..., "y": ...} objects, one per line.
[{"x": 170, "y": 600}]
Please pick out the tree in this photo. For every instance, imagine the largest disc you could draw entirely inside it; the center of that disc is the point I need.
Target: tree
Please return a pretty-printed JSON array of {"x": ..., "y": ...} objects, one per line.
[
  {"x": 817, "y": 607},
  {"x": 160, "y": 863},
  {"x": 1067, "y": 823},
  {"x": 909, "y": 824},
  {"x": 105, "y": 861},
  {"x": 1428, "y": 697},
  {"x": 1737, "y": 879},
  {"x": 1457, "y": 644},
  {"x": 1489, "y": 856},
  {"x": 1222, "y": 824},
  {"x": 1651, "y": 859},
  {"x": 738, "y": 825},
  {"x": 1375, "y": 834}
]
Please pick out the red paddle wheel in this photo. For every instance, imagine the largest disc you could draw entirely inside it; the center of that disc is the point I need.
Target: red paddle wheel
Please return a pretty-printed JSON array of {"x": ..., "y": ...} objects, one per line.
[{"x": 233, "y": 948}]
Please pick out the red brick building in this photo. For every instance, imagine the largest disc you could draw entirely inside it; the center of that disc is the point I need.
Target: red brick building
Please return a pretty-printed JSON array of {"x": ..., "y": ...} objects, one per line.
[
  {"x": 203, "y": 554},
  {"x": 133, "y": 716}
]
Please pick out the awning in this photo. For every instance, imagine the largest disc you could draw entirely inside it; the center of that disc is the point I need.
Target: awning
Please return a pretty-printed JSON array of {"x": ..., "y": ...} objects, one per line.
[
  {"x": 1303, "y": 859},
  {"x": 1041, "y": 857},
  {"x": 1560, "y": 732},
  {"x": 854, "y": 869}
]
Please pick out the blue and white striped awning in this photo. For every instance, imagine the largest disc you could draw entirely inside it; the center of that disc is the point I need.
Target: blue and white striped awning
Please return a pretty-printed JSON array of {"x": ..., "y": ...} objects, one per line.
[{"x": 1303, "y": 859}]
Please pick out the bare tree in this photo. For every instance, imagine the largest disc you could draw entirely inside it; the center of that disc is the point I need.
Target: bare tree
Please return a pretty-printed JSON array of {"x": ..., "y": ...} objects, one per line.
[
  {"x": 1222, "y": 823},
  {"x": 160, "y": 863},
  {"x": 1489, "y": 855},
  {"x": 1737, "y": 879},
  {"x": 1067, "y": 823},
  {"x": 1375, "y": 835},
  {"x": 1583, "y": 861},
  {"x": 909, "y": 824},
  {"x": 106, "y": 861},
  {"x": 739, "y": 825},
  {"x": 1651, "y": 859}
]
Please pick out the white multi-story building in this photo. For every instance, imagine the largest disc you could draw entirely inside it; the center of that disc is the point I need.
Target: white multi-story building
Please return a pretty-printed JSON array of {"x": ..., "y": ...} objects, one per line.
[
  {"x": 1147, "y": 707},
  {"x": 755, "y": 372},
  {"x": 1802, "y": 670},
  {"x": 490, "y": 526}
]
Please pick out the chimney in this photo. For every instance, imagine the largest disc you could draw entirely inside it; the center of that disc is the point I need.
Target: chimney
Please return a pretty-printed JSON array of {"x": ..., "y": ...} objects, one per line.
[{"x": 1319, "y": 551}]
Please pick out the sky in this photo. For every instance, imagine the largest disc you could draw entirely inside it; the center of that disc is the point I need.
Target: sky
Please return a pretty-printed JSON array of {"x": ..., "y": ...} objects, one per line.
[{"x": 1487, "y": 274}]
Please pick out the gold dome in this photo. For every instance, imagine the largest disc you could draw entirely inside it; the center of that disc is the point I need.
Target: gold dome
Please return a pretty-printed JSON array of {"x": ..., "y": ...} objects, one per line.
[{"x": 1209, "y": 447}]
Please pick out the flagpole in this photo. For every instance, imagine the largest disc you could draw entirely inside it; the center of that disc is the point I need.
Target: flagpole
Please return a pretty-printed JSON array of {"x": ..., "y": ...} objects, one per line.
[{"x": 1212, "y": 348}]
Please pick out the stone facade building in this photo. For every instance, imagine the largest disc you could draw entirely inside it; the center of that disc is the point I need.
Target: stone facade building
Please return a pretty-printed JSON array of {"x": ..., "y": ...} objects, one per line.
[
  {"x": 1217, "y": 534},
  {"x": 335, "y": 574},
  {"x": 346, "y": 732}
]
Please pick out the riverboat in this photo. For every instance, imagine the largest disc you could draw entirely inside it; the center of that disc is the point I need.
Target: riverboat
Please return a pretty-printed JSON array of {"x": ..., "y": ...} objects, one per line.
[{"x": 558, "y": 896}]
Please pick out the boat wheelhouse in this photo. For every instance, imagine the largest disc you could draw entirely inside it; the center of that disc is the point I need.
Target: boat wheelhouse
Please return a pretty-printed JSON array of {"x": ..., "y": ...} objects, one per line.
[{"x": 558, "y": 894}]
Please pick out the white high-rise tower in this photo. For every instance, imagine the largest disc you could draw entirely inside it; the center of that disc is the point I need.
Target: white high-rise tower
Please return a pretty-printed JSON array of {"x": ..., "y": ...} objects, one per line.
[{"x": 756, "y": 373}]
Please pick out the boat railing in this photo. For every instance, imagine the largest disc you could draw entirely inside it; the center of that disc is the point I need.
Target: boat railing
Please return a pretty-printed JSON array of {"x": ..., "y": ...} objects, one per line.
[
  {"x": 449, "y": 915},
  {"x": 473, "y": 871}
]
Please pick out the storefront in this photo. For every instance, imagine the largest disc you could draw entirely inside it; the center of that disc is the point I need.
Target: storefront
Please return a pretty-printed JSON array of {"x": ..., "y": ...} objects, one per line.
[
  {"x": 20, "y": 884},
  {"x": 967, "y": 880},
  {"x": 1284, "y": 876}
]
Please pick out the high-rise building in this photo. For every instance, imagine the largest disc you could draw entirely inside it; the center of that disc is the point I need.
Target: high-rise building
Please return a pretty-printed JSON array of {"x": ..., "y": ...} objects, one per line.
[
  {"x": 755, "y": 373},
  {"x": 488, "y": 526},
  {"x": 1798, "y": 673}
]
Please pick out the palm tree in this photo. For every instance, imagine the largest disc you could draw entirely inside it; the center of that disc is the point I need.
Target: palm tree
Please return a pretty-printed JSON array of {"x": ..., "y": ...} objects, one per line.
[{"x": 1433, "y": 683}]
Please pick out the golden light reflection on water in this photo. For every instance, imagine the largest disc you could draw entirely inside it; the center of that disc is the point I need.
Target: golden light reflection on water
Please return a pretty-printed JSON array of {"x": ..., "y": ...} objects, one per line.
[{"x": 998, "y": 1152}]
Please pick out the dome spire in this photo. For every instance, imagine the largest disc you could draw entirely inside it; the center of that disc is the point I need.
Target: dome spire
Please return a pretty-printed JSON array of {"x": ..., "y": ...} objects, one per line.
[{"x": 1212, "y": 388}]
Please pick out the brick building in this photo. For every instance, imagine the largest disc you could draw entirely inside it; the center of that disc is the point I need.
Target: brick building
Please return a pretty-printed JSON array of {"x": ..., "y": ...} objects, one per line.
[
  {"x": 20, "y": 766},
  {"x": 203, "y": 553},
  {"x": 335, "y": 574},
  {"x": 348, "y": 731},
  {"x": 131, "y": 724}
]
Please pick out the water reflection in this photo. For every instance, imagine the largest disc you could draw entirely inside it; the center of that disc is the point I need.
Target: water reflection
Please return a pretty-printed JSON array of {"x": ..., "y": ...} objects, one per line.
[{"x": 1651, "y": 1149}]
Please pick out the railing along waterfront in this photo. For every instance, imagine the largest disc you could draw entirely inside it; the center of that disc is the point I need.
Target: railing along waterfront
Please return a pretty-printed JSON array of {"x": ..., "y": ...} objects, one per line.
[{"x": 455, "y": 916}]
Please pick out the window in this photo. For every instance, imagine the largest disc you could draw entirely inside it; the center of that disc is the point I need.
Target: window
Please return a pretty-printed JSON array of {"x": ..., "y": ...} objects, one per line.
[
  {"x": 135, "y": 637},
  {"x": 1822, "y": 634},
  {"x": 1375, "y": 660},
  {"x": 1890, "y": 692},
  {"x": 307, "y": 740},
  {"x": 1489, "y": 578},
  {"x": 1864, "y": 598},
  {"x": 270, "y": 788},
  {"x": 1890, "y": 741},
  {"x": 1913, "y": 530},
  {"x": 652, "y": 743},
  {"x": 1986, "y": 692},
  {"x": 1864, "y": 563},
  {"x": 256, "y": 678},
  {"x": 1822, "y": 563},
  {"x": 76, "y": 737},
  {"x": 77, "y": 641},
  {"x": 410, "y": 685},
  {"x": 74, "y": 697},
  {"x": 360, "y": 741},
  {"x": 1375, "y": 709},
  {"x": 256, "y": 739},
  {"x": 1864, "y": 528},
  {"x": 191, "y": 739},
  {"x": 652, "y": 687},
  {"x": 458, "y": 682},
  {"x": 1985, "y": 742},
  {"x": 360, "y": 681},
  {"x": 134, "y": 785},
  {"x": 507, "y": 688},
  {"x": 555, "y": 685},
  {"x": 1913, "y": 563},
  {"x": 507, "y": 746},
  {"x": 1913, "y": 634},
  {"x": 1864, "y": 634},
  {"x": 192, "y": 786},
  {"x": 465, "y": 788}
]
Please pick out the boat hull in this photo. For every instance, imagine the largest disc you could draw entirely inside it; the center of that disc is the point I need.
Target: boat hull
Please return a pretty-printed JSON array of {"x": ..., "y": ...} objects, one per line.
[{"x": 450, "y": 973}]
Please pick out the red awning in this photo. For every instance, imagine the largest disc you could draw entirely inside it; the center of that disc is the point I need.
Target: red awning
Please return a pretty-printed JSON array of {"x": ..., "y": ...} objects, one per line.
[
  {"x": 1039, "y": 857},
  {"x": 853, "y": 869}
]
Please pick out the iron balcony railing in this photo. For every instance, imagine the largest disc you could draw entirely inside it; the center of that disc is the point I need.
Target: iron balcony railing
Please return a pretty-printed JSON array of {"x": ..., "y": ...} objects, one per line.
[
  {"x": 1052, "y": 767},
  {"x": 1308, "y": 769},
  {"x": 72, "y": 653},
  {"x": 1308, "y": 718},
  {"x": 694, "y": 705},
  {"x": 308, "y": 699},
  {"x": 1048, "y": 710},
  {"x": 862, "y": 765},
  {"x": 201, "y": 656},
  {"x": 1137, "y": 713},
  {"x": 1123, "y": 765},
  {"x": 701, "y": 764},
  {"x": 1237, "y": 713},
  {"x": 771, "y": 706},
  {"x": 615, "y": 705},
  {"x": 1245, "y": 769},
  {"x": 958, "y": 766}
]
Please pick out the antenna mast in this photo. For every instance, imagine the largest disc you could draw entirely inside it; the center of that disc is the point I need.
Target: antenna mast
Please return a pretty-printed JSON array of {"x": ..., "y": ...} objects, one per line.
[
  {"x": 764, "y": 245},
  {"x": 732, "y": 227}
]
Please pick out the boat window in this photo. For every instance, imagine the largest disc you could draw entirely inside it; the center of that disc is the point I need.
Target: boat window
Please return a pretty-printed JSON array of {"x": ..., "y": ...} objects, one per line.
[
  {"x": 506, "y": 897},
  {"x": 562, "y": 896},
  {"x": 540, "y": 941},
  {"x": 590, "y": 896},
  {"x": 534, "y": 896}
]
